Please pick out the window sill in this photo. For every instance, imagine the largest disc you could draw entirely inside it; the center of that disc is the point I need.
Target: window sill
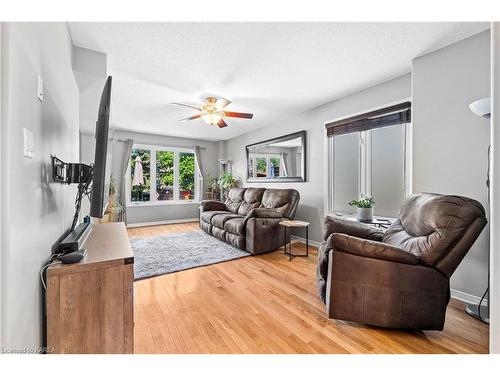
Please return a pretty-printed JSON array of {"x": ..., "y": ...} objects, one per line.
[
  {"x": 161, "y": 203},
  {"x": 352, "y": 216}
]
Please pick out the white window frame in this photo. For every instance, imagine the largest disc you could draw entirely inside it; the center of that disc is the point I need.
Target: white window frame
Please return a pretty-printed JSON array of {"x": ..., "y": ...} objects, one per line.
[
  {"x": 153, "y": 201},
  {"x": 364, "y": 167},
  {"x": 268, "y": 158}
]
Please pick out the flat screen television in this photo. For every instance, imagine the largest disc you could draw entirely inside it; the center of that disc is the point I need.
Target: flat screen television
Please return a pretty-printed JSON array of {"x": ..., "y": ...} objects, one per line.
[{"x": 100, "y": 183}]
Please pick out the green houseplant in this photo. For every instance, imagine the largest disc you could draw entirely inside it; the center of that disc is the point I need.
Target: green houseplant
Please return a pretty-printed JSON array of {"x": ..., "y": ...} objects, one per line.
[
  {"x": 212, "y": 187},
  {"x": 226, "y": 182},
  {"x": 364, "y": 208}
]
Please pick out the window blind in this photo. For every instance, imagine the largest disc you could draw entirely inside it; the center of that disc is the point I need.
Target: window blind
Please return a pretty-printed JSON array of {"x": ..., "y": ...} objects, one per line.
[{"x": 393, "y": 115}]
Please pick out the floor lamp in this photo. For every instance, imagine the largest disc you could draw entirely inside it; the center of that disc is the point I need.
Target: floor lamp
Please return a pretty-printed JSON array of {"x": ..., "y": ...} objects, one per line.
[{"x": 482, "y": 108}]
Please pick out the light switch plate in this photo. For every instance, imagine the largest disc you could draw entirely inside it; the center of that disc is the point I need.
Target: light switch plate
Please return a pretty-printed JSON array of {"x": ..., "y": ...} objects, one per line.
[
  {"x": 39, "y": 90},
  {"x": 29, "y": 143}
]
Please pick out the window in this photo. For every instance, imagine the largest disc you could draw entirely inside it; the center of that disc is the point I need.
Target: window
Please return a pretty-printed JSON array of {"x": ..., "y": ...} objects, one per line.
[
  {"x": 140, "y": 162},
  {"x": 174, "y": 176},
  {"x": 165, "y": 175},
  {"x": 186, "y": 176},
  {"x": 264, "y": 166},
  {"x": 369, "y": 161}
]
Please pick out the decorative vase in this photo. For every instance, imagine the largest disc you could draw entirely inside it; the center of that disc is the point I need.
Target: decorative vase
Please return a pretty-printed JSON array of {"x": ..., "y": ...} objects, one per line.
[{"x": 364, "y": 214}]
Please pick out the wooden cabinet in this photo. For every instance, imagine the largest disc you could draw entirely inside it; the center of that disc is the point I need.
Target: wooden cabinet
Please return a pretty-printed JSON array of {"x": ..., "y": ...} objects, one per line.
[{"x": 90, "y": 304}]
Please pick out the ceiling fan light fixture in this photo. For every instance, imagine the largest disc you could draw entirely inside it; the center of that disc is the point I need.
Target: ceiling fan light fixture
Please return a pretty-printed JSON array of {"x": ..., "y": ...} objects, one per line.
[{"x": 211, "y": 118}]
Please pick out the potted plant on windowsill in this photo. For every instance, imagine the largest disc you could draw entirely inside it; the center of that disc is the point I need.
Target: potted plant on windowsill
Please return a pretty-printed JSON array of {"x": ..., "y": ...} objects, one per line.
[{"x": 364, "y": 208}]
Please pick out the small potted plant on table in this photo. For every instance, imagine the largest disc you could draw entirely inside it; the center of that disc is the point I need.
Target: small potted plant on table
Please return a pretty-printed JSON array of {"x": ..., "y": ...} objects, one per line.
[{"x": 364, "y": 208}]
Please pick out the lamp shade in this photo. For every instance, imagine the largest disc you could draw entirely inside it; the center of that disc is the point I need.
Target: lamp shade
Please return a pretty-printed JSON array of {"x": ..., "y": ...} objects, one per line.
[{"x": 481, "y": 107}]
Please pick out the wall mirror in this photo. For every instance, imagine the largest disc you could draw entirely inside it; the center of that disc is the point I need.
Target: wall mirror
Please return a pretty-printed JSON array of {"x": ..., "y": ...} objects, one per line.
[{"x": 281, "y": 159}]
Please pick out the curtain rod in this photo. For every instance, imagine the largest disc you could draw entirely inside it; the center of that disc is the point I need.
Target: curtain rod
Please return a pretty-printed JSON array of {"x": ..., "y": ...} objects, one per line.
[{"x": 164, "y": 145}]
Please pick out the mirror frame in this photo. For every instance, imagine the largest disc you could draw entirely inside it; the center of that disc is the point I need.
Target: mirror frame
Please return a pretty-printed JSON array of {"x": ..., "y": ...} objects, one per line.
[{"x": 302, "y": 135}]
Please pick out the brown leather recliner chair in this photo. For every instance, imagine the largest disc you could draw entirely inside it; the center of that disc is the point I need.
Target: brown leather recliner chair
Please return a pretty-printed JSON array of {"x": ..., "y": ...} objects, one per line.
[
  {"x": 398, "y": 278},
  {"x": 249, "y": 218}
]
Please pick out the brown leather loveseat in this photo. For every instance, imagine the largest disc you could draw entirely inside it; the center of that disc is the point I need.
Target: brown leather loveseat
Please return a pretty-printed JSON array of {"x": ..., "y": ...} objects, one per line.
[
  {"x": 249, "y": 218},
  {"x": 398, "y": 278}
]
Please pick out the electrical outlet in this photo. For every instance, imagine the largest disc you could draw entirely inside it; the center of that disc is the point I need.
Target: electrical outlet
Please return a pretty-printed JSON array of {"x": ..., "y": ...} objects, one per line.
[
  {"x": 39, "y": 91},
  {"x": 29, "y": 144}
]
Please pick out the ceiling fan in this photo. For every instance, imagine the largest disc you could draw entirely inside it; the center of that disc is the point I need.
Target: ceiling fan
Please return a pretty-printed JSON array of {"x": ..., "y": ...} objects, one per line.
[{"x": 212, "y": 111}]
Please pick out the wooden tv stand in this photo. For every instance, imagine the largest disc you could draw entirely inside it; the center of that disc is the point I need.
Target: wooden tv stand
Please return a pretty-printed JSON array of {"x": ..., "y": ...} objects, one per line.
[{"x": 90, "y": 304}]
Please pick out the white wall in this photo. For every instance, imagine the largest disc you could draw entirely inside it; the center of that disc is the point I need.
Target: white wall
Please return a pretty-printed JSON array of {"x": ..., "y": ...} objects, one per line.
[
  {"x": 311, "y": 207},
  {"x": 1, "y": 183},
  {"x": 449, "y": 142},
  {"x": 147, "y": 214},
  {"x": 36, "y": 211}
]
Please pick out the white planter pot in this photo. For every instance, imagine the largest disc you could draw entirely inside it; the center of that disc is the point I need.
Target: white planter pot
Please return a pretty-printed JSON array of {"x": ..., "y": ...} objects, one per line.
[{"x": 364, "y": 214}]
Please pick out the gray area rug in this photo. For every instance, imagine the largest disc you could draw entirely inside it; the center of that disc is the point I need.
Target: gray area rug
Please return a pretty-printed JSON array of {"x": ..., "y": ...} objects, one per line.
[{"x": 169, "y": 253}]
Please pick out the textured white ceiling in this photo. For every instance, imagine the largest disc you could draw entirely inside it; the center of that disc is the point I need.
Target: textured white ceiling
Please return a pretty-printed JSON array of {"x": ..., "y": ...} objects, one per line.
[{"x": 273, "y": 70}]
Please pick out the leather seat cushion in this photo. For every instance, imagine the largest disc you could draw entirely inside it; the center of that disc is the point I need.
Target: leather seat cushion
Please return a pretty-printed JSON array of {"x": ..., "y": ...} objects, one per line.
[
  {"x": 208, "y": 215},
  {"x": 220, "y": 219},
  {"x": 219, "y": 233},
  {"x": 235, "y": 226}
]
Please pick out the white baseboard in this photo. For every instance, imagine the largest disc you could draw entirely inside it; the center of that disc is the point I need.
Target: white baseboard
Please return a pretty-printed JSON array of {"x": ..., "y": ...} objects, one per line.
[
  {"x": 174, "y": 221},
  {"x": 466, "y": 297},
  {"x": 303, "y": 240}
]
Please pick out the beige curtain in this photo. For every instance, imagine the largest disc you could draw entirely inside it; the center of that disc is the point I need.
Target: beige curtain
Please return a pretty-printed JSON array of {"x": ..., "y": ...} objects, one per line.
[{"x": 197, "y": 158}]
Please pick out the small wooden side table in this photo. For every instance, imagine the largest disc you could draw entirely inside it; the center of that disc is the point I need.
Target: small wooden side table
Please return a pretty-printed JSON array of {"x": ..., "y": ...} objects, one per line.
[{"x": 288, "y": 246}]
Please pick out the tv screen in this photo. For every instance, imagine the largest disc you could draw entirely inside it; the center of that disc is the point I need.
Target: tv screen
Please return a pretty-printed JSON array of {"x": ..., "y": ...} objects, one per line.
[{"x": 99, "y": 188}]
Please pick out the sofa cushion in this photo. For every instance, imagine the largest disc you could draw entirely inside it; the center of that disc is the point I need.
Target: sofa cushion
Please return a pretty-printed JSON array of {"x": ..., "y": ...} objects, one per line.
[
  {"x": 234, "y": 199},
  {"x": 220, "y": 219},
  {"x": 219, "y": 233},
  {"x": 208, "y": 215},
  {"x": 235, "y": 226},
  {"x": 285, "y": 201},
  {"x": 206, "y": 227},
  {"x": 251, "y": 200}
]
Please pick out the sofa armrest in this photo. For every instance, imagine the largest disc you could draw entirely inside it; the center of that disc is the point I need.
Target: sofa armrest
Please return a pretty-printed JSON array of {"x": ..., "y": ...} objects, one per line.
[
  {"x": 264, "y": 213},
  {"x": 210, "y": 205},
  {"x": 264, "y": 234},
  {"x": 351, "y": 228},
  {"x": 369, "y": 249}
]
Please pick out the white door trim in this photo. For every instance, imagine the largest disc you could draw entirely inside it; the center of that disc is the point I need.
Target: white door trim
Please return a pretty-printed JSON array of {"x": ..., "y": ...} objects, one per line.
[
  {"x": 495, "y": 192},
  {"x": 1, "y": 180}
]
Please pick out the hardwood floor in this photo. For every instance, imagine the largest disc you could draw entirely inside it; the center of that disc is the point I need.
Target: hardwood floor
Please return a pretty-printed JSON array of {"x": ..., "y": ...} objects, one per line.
[{"x": 267, "y": 304}]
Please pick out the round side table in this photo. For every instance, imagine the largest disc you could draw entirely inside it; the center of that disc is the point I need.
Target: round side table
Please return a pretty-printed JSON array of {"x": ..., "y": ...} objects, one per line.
[{"x": 288, "y": 245}]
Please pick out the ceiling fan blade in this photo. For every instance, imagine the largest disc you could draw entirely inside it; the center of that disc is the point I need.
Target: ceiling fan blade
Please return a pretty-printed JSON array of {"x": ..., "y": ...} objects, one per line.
[
  {"x": 221, "y": 123},
  {"x": 222, "y": 103},
  {"x": 187, "y": 105},
  {"x": 238, "y": 114},
  {"x": 191, "y": 118}
]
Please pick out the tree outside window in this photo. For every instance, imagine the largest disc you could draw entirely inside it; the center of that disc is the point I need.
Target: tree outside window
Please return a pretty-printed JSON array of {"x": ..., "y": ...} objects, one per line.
[
  {"x": 186, "y": 176},
  {"x": 261, "y": 167},
  {"x": 164, "y": 175},
  {"x": 275, "y": 165}
]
